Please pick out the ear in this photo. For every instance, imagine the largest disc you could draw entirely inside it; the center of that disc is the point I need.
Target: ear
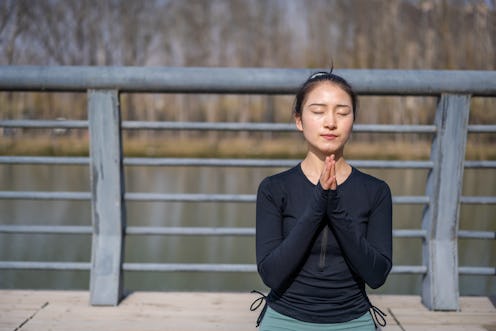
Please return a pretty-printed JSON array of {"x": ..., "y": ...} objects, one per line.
[{"x": 299, "y": 122}]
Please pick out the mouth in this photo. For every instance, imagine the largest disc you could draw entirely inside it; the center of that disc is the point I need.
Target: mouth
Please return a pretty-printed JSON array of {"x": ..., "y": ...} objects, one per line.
[{"x": 328, "y": 136}]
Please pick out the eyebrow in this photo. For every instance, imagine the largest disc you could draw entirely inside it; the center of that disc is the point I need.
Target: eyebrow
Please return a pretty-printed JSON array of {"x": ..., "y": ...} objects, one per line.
[
  {"x": 339, "y": 105},
  {"x": 317, "y": 104}
]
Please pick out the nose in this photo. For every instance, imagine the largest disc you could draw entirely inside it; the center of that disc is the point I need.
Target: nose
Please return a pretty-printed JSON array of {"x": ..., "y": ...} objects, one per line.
[{"x": 330, "y": 120}]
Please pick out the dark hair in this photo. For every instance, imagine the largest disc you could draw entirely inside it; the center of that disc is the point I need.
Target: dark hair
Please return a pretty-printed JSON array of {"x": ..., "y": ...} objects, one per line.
[{"x": 315, "y": 79}]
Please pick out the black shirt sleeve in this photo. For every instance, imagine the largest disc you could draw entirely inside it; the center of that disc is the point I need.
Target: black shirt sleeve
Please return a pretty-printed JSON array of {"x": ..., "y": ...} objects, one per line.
[
  {"x": 278, "y": 258},
  {"x": 369, "y": 254}
]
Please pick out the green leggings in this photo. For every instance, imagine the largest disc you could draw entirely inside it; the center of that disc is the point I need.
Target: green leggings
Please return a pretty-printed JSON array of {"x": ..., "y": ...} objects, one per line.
[{"x": 274, "y": 321}]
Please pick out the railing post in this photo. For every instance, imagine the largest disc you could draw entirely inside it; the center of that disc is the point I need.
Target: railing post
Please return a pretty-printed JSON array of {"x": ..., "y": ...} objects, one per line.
[
  {"x": 107, "y": 186},
  {"x": 440, "y": 220}
]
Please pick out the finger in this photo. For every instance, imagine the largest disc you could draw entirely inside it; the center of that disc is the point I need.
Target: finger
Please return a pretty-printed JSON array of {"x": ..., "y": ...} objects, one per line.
[
  {"x": 325, "y": 177},
  {"x": 332, "y": 165},
  {"x": 333, "y": 181},
  {"x": 333, "y": 185}
]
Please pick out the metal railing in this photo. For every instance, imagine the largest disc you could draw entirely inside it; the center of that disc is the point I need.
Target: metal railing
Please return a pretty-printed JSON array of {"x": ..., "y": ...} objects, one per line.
[{"x": 442, "y": 200}]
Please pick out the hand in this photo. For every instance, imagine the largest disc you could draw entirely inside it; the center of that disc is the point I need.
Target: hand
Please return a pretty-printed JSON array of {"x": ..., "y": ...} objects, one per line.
[{"x": 328, "y": 176}]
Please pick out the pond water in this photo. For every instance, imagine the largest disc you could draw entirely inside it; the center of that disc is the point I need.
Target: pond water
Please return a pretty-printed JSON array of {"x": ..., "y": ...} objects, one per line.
[{"x": 211, "y": 249}]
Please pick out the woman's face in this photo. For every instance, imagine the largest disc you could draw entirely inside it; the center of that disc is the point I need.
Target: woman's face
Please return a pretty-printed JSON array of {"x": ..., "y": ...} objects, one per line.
[{"x": 326, "y": 119}]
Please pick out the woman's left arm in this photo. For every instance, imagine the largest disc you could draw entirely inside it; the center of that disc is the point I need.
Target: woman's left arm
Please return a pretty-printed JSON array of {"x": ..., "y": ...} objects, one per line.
[{"x": 369, "y": 254}]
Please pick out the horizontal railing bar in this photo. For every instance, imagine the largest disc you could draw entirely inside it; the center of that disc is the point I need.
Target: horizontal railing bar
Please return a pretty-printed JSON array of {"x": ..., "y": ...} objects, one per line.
[
  {"x": 465, "y": 234},
  {"x": 229, "y": 126},
  {"x": 44, "y": 124},
  {"x": 405, "y": 199},
  {"x": 205, "y": 267},
  {"x": 33, "y": 265},
  {"x": 221, "y": 126},
  {"x": 224, "y": 231},
  {"x": 152, "y": 230},
  {"x": 202, "y": 231},
  {"x": 238, "y": 198},
  {"x": 409, "y": 269},
  {"x": 221, "y": 162},
  {"x": 289, "y": 127},
  {"x": 45, "y": 229},
  {"x": 409, "y": 233},
  {"x": 482, "y": 271},
  {"x": 190, "y": 231},
  {"x": 192, "y": 197},
  {"x": 479, "y": 164},
  {"x": 394, "y": 128},
  {"x": 168, "y": 197},
  {"x": 392, "y": 164},
  {"x": 482, "y": 128},
  {"x": 189, "y": 267},
  {"x": 56, "y": 160},
  {"x": 208, "y": 162},
  {"x": 39, "y": 195},
  {"x": 240, "y": 80},
  {"x": 483, "y": 200},
  {"x": 265, "y": 163}
]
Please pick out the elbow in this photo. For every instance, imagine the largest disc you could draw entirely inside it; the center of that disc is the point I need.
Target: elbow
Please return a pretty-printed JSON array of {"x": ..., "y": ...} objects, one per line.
[
  {"x": 270, "y": 278},
  {"x": 378, "y": 279},
  {"x": 376, "y": 283},
  {"x": 267, "y": 277}
]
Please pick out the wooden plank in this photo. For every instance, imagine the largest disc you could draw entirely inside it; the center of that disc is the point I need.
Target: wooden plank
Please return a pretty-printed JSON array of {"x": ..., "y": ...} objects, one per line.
[{"x": 199, "y": 311}]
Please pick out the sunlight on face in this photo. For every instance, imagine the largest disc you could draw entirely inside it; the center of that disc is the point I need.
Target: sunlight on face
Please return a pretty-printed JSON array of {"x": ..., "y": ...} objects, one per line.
[{"x": 327, "y": 119}]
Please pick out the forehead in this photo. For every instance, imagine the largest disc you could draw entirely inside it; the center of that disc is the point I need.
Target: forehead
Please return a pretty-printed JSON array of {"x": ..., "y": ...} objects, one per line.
[{"x": 328, "y": 92}]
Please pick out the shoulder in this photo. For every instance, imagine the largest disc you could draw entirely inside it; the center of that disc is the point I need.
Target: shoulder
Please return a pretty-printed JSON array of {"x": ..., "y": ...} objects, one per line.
[
  {"x": 369, "y": 180},
  {"x": 280, "y": 183},
  {"x": 375, "y": 187},
  {"x": 281, "y": 178},
  {"x": 274, "y": 190}
]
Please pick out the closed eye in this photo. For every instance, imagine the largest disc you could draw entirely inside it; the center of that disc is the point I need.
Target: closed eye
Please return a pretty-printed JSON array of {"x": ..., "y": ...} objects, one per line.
[
  {"x": 317, "y": 112},
  {"x": 343, "y": 110}
]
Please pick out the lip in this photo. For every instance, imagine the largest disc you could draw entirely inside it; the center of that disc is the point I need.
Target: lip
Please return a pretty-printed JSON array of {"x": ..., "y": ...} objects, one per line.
[{"x": 328, "y": 136}]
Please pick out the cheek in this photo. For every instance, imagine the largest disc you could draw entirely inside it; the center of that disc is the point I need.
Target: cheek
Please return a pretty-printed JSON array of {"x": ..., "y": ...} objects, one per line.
[
  {"x": 310, "y": 122},
  {"x": 310, "y": 127},
  {"x": 347, "y": 124}
]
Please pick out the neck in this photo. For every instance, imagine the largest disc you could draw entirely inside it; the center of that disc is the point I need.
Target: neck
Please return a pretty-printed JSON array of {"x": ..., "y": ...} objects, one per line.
[{"x": 313, "y": 165}]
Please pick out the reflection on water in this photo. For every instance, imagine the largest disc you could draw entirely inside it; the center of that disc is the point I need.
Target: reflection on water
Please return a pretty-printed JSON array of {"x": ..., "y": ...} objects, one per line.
[{"x": 198, "y": 249}]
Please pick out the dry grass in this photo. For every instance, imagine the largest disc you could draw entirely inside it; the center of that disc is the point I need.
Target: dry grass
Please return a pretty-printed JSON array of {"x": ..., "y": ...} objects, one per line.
[{"x": 235, "y": 147}]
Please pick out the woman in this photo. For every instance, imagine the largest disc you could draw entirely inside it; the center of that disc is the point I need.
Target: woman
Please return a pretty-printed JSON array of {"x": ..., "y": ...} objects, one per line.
[{"x": 323, "y": 228}]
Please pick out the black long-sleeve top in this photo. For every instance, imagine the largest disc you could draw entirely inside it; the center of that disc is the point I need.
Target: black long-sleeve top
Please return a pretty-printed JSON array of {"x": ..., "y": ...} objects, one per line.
[{"x": 317, "y": 248}]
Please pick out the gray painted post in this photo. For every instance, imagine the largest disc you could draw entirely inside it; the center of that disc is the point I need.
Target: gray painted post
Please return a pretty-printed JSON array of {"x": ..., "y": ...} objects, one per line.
[
  {"x": 440, "y": 220},
  {"x": 107, "y": 186}
]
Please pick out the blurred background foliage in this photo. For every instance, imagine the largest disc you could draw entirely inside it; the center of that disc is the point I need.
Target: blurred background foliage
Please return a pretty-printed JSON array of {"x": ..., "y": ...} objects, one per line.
[{"x": 355, "y": 34}]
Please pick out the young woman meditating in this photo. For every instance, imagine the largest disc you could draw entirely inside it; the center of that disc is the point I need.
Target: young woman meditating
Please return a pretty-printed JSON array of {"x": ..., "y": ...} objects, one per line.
[{"x": 323, "y": 228}]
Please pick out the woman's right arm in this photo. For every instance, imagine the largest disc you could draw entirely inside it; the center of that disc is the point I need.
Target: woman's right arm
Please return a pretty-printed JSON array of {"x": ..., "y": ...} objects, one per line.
[{"x": 279, "y": 257}]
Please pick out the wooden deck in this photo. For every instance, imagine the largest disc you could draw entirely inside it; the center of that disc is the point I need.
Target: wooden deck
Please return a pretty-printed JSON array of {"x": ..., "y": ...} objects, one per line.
[{"x": 179, "y": 311}]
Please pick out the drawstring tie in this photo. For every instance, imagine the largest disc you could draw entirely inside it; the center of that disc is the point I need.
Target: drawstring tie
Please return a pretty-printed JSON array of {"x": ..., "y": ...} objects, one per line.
[
  {"x": 378, "y": 316},
  {"x": 257, "y": 303}
]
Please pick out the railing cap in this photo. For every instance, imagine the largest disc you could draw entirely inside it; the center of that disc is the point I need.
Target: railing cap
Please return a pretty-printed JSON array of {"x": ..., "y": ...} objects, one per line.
[{"x": 240, "y": 80}]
